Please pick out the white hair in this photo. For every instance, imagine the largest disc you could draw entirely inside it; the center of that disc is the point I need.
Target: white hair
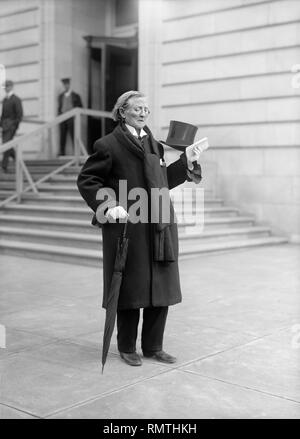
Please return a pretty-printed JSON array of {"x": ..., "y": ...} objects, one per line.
[{"x": 122, "y": 102}]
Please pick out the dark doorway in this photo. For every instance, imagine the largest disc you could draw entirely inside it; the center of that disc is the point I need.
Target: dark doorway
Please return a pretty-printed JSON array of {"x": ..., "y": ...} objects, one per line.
[
  {"x": 121, "y": 76},
  {"x": 112, "y": 71}
]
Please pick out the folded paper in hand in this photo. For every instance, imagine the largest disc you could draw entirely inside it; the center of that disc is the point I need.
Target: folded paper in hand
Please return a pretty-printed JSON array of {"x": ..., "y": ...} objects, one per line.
[{"x": 203, "y": 143}]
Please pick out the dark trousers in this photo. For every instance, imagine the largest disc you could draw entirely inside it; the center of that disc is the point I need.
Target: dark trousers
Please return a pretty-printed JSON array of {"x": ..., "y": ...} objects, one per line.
[
  {"x": 8, "y": 135},
  {"x": 65, "y": 128},
  {"x": 154, "y": 321}
]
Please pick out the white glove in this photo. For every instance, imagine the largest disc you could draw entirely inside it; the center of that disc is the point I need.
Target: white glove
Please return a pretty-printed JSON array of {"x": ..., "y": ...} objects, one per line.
[
  {"x": 116, "y": 212},
  {"x": 193, "y": 152}
]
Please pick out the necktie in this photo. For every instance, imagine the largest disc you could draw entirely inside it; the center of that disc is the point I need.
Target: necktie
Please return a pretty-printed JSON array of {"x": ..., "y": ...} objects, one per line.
[{"x": 141, "y": 142}]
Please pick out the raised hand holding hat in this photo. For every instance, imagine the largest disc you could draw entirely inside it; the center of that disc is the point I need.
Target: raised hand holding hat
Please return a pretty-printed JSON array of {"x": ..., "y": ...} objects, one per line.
[{"x": 181, "y": 136}]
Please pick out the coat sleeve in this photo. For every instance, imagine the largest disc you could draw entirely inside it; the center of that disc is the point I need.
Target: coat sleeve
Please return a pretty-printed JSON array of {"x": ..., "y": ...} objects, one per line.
[
  {"x": 91, "y": 182},
  {"x": 176, "y": 171}
]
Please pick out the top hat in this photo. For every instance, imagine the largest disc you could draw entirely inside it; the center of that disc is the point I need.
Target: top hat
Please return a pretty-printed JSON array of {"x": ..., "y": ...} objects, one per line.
[
  {"x": 181, "y": 135},
  {"x": 66, "y": 80}
]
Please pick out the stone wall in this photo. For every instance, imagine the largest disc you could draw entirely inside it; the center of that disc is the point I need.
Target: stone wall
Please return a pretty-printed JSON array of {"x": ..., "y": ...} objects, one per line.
[
  {"x": 68, "y": 22},
  {"x": 20, "y": 48},
  {"x": 21, "y": 55},
  {"x": 226, "y": 67}
]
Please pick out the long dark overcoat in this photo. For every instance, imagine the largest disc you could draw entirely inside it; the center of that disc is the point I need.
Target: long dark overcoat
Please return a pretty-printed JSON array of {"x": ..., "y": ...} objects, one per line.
[{"x": 145, "y": 281}]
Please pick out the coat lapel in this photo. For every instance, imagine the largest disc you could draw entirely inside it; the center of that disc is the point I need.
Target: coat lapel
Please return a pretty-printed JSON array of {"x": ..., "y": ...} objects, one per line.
[
  {"x": 131, "y": 143},
  {"x": 128, "y": 142},
  {"x": 152, "y": 141}
]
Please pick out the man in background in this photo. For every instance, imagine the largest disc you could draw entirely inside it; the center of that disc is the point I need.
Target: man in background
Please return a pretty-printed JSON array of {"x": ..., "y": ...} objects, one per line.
[
  {"x": 11, "y": 116},
  {"x": 66, "y": 101}
]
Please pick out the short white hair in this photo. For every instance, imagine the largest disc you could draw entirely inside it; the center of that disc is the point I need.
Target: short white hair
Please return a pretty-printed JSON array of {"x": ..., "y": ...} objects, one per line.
[{"x": 122, "y": 102}]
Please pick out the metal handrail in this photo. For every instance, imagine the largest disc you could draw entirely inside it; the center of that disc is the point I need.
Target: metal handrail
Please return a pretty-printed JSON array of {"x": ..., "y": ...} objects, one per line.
[
  {"x": 34, "y": 121},
  {"x": 17, "y": 143},
  {"x": 14, "y": 142},
  {"x": 36, "y": 183}
]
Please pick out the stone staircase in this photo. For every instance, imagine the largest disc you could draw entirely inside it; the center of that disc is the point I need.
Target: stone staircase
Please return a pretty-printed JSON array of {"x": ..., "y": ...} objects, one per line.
[{"x": 55, "y": 224}]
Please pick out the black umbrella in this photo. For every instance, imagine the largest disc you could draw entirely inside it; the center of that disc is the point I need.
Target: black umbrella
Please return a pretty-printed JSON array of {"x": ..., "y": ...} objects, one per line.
[{"x": 113, "y": 296}]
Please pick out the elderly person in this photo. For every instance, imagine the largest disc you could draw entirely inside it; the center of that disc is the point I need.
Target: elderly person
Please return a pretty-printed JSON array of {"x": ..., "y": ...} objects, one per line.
[{"x": 151, "y": 278}]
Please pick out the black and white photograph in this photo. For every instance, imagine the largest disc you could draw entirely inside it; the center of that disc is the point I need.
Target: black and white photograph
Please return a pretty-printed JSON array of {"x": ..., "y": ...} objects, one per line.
[{"x": 149, "y": 212}]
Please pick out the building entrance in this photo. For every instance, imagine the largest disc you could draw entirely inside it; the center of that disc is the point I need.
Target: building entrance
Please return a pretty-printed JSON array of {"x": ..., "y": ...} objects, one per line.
[{"x": 112, "y": 71}]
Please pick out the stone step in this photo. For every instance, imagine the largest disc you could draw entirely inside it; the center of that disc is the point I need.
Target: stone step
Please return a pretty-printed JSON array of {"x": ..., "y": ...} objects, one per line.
[
  {"x": 7, "y": 185},
  {"x": 207, "y": 211},
  {"x": 94, "y": 257},
  {"x": 188, "y": 194},
  {"x": 224, "y": 234},
  {"x": 59, "y": 178},
  {"x": 59, "y": 189},
  {"x": 74, "y": 170},
  {"x": 84, "y": 226},
  {"x": 56, "y": 223},
  {"x": 51, "y": 162},
  {"x": 9, "y": 178},
  {"x": 189, "y": 250},
  {"x": 93, "y": 241},
  {"x": 50, "y": 185},
  {"x": 5, "y": 194},
  {"x": 82, "y": 160},
  {"x": 46, "y": 169},
  {"x": 77, "y": 200},
  {"x": 65, "y": 183},
  {"x": 64, "y": 178},
  {"x": 85, "y": 213},
  {"x": 44, "y": 187}
]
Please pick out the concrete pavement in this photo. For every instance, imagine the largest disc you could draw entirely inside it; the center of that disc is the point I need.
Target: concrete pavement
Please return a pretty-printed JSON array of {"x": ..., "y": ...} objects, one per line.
[{"x": 236, "y": 335}]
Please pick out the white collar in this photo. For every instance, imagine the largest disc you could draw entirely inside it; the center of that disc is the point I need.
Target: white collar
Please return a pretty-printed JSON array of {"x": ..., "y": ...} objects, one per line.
[
  {"x": 67, "y": 93},
  {"x": 134, "y": 132},
  {"x": 8, "y": 95}
]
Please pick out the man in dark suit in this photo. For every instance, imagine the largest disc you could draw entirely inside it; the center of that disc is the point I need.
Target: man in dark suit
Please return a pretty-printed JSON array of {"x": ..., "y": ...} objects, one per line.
[
  {"x": 12, "y": 114},
  {"x": 66, "y": 101}
]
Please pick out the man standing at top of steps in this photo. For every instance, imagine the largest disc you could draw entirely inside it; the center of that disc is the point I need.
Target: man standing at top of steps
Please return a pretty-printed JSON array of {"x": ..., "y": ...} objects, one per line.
[
  {"x": 12, "y": 114},
  {"x": 66, "y": 101}
]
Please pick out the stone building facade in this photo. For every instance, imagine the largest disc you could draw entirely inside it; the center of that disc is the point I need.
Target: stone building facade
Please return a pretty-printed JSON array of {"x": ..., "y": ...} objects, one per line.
[{"x": 228, "y": 66}]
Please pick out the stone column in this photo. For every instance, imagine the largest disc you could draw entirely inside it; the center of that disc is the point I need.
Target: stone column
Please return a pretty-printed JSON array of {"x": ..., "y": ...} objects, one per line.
[
  {"x": 149, "y": 66},
  {"x": 47, "y": 78}
]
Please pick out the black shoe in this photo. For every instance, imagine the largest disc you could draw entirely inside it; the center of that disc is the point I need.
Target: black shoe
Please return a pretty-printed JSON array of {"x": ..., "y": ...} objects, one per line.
[
  {"x": 160, "y": 356},
  {"x": 133, "y": 359}
]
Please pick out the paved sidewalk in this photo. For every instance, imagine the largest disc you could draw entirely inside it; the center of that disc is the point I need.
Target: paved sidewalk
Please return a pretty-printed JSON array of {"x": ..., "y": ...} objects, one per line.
[{"x": 235, "y": 335}]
